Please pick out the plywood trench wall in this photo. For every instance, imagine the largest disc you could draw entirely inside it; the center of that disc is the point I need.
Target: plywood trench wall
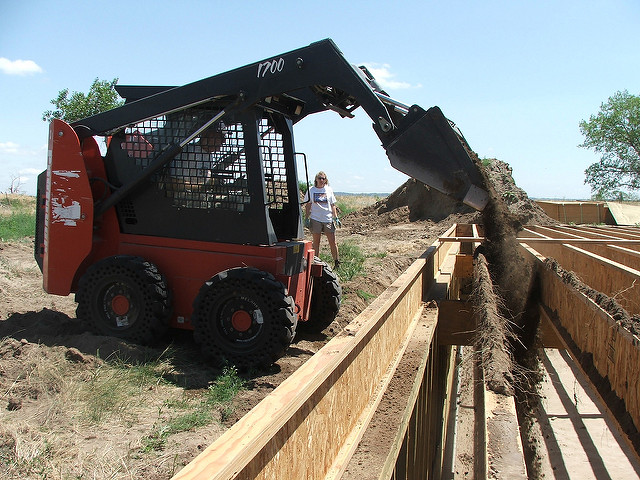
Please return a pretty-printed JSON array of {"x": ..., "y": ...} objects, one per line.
[
  {"x": 591, "y": 331},
  {"x": 311, "y": 424}
]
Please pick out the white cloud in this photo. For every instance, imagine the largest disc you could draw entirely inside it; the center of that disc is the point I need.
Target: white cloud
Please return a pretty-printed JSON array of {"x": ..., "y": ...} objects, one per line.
[
  {"x": 384, "y": 77},
  {"x": 19, "y": 67},
  {"x": 30, "y": 171},
  {"x": 8, "y": 147}
]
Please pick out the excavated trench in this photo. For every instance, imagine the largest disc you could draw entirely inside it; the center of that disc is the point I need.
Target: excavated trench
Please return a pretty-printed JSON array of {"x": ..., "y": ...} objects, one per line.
[{"x": 503, "y": 297}]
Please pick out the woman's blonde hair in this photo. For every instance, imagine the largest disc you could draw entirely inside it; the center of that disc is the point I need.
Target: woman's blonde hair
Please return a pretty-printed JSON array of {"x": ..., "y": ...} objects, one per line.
[{"x": 320, "y": 174}]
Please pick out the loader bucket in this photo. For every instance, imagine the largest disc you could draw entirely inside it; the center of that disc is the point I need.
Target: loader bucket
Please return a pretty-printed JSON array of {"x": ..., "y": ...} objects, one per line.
[{"x": 428, "y": 148}]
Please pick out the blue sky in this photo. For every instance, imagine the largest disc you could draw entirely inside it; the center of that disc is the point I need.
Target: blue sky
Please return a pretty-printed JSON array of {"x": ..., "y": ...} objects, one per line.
[{"x": 516, "y": 76}]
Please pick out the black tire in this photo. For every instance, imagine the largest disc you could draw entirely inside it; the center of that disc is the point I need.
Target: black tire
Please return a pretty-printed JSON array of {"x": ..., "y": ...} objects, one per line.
[
  {"x": 125, "y": 297},
  {"x": 325, "y": 301},
  {"x": 244, "y": 316}
]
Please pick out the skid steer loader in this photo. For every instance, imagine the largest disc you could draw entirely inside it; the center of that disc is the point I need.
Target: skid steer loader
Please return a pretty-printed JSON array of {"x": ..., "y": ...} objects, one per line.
[{"x": 191, "y": 217}]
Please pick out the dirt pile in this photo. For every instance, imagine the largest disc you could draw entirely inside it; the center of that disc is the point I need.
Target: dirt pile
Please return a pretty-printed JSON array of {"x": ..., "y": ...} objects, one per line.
[
  {"x": 502, "y": 222},
  {"x": 493, "y": 331},
  {"x": 414, "y": 201},
  {"x": 506, "y": 196},
  {"x": 507, "y": 343},
  {"x": 422, "y": 203}
]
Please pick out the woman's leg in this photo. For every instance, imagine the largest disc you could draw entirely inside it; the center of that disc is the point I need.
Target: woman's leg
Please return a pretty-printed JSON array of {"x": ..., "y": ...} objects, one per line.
[
  {"x": 331, "y": 237},
  {"x": 316, "y": 243}
]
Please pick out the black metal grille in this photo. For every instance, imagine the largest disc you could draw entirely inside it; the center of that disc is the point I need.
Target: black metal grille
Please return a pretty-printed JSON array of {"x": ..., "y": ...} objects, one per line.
[
  {"x": 275, "y": 172},
  {"x": 210, "y": 172}
]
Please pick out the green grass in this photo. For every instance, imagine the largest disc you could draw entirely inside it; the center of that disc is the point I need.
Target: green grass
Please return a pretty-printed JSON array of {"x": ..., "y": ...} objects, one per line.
[
  {"x": 186, "y": 414},
  {"x": 225, "y": 387},
  {"x": 366, "y": 296},
  {"x": 351, "y": 260},
  {"x": 16, "y": 226},
  {"x": 17, "y": 217}
]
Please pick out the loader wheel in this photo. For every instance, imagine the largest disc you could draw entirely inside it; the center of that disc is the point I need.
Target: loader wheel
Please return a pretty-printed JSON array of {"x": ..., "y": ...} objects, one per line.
[
  {"x": 245, "y": 317},
  {"x": 325, "y": 301},
  {"x": 125, "y": 297}
]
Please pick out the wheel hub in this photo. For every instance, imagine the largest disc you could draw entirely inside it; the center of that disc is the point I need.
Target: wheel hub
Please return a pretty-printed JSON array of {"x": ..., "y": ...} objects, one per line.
[
  {"x": 241, "y": 320},
  {"x": 120, "y": 305}
]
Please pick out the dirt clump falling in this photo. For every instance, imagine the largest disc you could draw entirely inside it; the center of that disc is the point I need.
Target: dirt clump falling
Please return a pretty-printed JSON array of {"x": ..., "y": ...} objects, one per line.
[
  {"x": 493, "y": 332},
  {"x": 512, "y": 333},
  {"x": 510, "y": 272},
  {"x": 503, "y": 278}
]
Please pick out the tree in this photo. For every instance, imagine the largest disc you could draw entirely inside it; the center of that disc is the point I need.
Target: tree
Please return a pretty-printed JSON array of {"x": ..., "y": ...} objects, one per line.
[
  {"x": 16, "y": 185},
  {"x": 614, "y": 133},
  {"x": 101, "y": 97}
]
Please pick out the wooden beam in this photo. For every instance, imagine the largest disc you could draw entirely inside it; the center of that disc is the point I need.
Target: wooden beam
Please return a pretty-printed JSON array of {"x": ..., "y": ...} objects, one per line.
[
  {"x": 611, "y": 278},
  {"x": 385, "y": 434},
  {"x": 624, "y": 254},
  {"x": 317, "y": 409},
  {"x": 547, "y": 334},
  {"x": 456, "y": 325},
  {"x": 418, "y": 339},
  {"x": 579, "y": 212},
  {"x": 505, "y": 454},
  {"x": 588, "y": 329},
  {"x": 548, "y": 240}
]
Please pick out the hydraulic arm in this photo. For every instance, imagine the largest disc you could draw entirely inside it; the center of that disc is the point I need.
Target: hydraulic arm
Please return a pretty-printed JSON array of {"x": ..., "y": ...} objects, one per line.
[{"x": 422, "y": 144}]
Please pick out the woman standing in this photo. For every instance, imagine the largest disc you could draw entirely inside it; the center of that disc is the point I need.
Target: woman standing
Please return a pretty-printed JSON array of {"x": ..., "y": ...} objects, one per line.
[{"x": 322, "y": 211}]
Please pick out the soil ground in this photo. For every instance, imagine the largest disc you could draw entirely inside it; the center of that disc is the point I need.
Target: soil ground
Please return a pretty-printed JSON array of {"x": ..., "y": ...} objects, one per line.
[
  {"x": 44, "y": 427},
  {"x": 44, "y": 433}
]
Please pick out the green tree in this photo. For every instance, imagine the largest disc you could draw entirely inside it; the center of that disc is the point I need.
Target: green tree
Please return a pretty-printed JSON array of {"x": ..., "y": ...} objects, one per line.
[
  {"x": 614, "y": 133},
  {"x": 71, "y": 107}
]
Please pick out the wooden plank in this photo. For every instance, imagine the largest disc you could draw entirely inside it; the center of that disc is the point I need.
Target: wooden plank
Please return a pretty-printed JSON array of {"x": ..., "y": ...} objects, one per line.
[
  {"x": 456, "y": 325},
  {"x": 547, "y": 334},
  {"x": 612, "y": 278},
  {"x": 630, "y": 233},
  {"x": 425, "y": 322},
  {"x": 618, "y": 253},
  {"x": 536, "y": 240},
  {"x": 614, "y": 350},
  {"x": 505, "y": 454},
  {"x": 574, "y": 212},
  {"x": 307, "y": 412},
  {"x": 461, "y": 454},
  {"x": 464, "y": 266},
  {"x": 580, "y": 438},
  {"x": 576, "y": 353},
  {"x": 406, "y": 386}
]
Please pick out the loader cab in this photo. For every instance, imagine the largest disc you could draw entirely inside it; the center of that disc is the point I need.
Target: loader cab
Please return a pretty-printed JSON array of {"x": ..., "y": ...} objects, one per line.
[{"x": 234, "y": 183}]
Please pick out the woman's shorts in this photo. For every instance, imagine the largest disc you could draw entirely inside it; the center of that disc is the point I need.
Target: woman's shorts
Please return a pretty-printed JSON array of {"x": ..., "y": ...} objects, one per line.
[{"x": 319, "y": 227}]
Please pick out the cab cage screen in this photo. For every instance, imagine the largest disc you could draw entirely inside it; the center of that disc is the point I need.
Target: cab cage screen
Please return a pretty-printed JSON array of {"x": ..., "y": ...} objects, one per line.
[
  {"x": 211, "y": 170},
  {"x": 275, "y": 171}
]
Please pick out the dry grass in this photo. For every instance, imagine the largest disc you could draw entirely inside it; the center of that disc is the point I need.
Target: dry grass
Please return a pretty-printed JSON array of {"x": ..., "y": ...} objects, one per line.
[
  {"x": 12, "y": 203},
  {"x": 351, "y": 203},
  {"x": 64, "y": 407}
]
